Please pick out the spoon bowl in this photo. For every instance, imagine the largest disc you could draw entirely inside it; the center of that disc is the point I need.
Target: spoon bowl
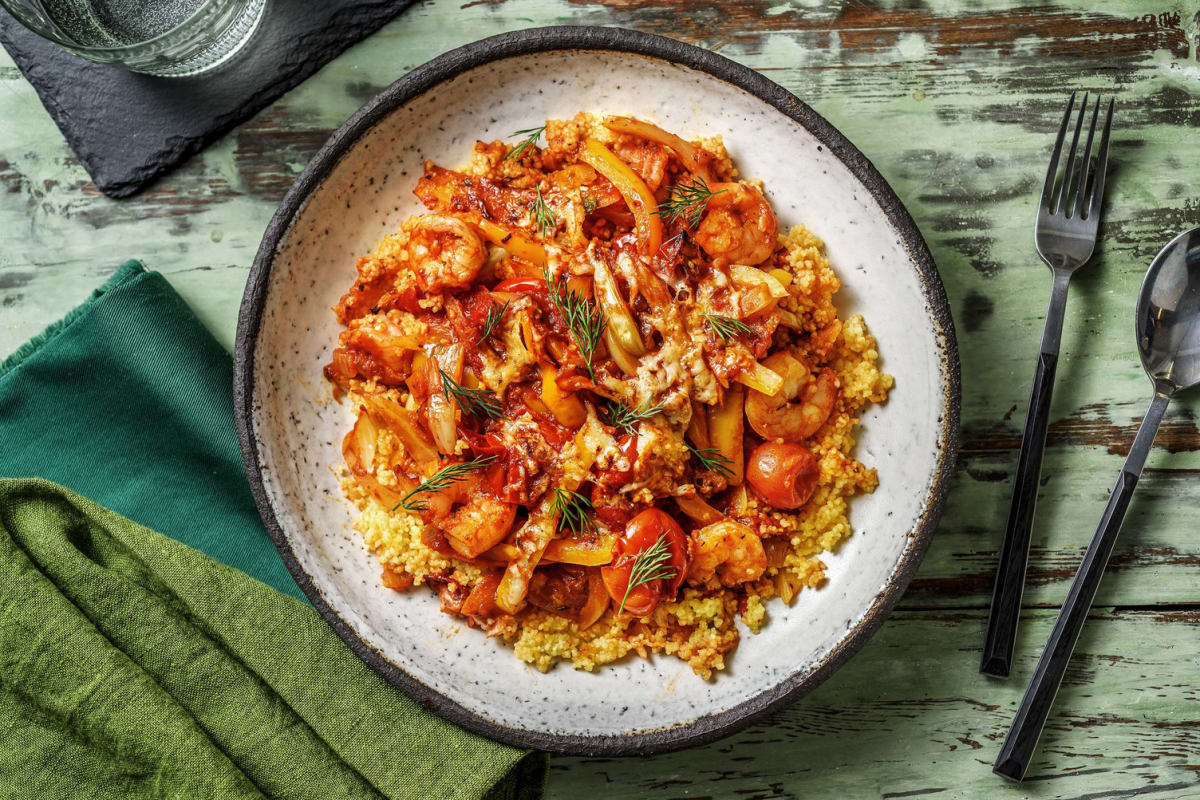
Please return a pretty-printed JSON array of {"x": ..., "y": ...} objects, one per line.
[{"x": 1168, "y": 315}]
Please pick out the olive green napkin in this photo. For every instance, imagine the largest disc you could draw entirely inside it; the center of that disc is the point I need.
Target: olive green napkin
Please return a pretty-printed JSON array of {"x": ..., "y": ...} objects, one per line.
[{"x": 134, "y": 666}]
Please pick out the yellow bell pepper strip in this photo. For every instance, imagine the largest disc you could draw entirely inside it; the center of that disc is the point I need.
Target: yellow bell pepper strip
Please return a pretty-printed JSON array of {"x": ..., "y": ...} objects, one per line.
[
  {"x": 592, "y": 552},
  {"x": 689, "y": 154},
  {"x": 565, "y": 406},
  {"x": 725, "y": 427},
  {"x": 635, "y": 191},
  {"x": 515, "y": 242}
]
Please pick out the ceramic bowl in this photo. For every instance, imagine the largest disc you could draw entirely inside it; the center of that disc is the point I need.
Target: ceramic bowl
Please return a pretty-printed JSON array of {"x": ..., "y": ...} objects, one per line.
[{"x": 359, "y": 187}]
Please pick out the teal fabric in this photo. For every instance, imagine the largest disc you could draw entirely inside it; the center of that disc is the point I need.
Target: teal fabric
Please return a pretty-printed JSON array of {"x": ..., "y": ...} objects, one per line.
[
  {"x": 128, "y": 402},
  {"x": 135, "y": 666}
]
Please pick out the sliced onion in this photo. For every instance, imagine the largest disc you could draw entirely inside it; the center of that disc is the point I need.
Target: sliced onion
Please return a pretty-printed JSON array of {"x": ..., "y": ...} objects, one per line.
[
  {"x": 616, "y": 311},
  {"x": 404, "y": 424},
  {"x": 777, "y": 549},
  {"x": 358, "y": 448},
  {"x": 761, "y": 379},
  {"x": 624, "y": 359},
  {"x": 443, "y": 423},
  {"x": 759, "y": 289},
  {"x": 597, "y": 601},
  {"x": 698, "y": 509}
]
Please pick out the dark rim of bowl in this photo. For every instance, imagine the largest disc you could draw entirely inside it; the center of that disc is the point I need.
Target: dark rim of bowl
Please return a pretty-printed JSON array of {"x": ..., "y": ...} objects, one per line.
[{"x": 566, "y": 38}]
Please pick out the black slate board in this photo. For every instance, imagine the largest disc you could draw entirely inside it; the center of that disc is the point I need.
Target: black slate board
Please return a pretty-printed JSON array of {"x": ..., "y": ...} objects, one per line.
[{"x": 128, "y": 129}]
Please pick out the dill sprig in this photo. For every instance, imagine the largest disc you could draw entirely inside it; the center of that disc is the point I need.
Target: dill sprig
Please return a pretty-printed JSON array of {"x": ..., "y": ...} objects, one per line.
[
  {"x": 687, "y": 201},
  {"x": 573, "y": 510},
  {"x": 492, "y": 321},
  {"x": 531, "y": 136},
  {"x": 649, "y": 566},
  {"x": 479, "y": 402},
  {"x": 442, "y": 479},
  {"x": 624, "y": 418},
  {"x": 543, "y": 215},
  {"x": 710, "y": 458},
  {"x": 583, "y": 318},
  {"x": 726, "y": 327}
]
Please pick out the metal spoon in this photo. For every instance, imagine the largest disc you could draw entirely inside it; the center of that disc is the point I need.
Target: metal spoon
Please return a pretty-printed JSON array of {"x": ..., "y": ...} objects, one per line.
[{"x": 1168, "y": 338}]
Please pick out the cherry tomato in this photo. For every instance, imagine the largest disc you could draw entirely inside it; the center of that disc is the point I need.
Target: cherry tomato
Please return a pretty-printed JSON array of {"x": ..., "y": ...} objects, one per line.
[
  {"x": 521, "y": 286},
  {"x": 784, "y": 473},
  {"x": 641, "y": 534}
]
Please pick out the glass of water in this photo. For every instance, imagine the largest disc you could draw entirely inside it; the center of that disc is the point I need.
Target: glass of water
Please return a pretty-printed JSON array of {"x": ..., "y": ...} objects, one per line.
[{"x": 159, "y": 37}]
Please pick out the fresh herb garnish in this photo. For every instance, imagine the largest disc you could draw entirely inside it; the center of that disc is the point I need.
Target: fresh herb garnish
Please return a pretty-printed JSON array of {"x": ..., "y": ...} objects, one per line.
[
  {"x": 442, "y": 479},
  {"x": 727, "y": 327},
  {"x": 624, "y": 418},
  {"x": 649, "y": 566},
  {"x": 479, "y": 402},
  {"x": 583, "y": 318},
  {"x": 531, "y": 136},
  {"x": 543, "y": 215},
  {"x": 492, "y": 321},
  {"x": 573, "y": 510},
  {"x": 687, "y": 201},
  {"x": 710, "y": 458}
]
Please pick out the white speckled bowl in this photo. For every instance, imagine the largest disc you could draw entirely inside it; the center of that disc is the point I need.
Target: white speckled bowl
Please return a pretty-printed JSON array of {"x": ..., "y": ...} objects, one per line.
[{"x": 359, "y": 187}]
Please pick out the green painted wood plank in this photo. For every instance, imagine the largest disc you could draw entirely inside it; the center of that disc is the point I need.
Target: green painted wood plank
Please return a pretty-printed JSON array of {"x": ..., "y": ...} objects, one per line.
[{"x": 904, "y": 721}]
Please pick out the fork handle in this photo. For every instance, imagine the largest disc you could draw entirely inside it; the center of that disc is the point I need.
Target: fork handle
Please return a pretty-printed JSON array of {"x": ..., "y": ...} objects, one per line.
[
  {"x": 1022, "y": 738},
  {"x": 1005, "y": 610}
]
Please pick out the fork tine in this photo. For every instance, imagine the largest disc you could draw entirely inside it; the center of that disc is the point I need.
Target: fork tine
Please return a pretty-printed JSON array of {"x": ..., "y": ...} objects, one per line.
[
  {"x": 1101, "y": 165},
  {"x": 1085, "y": 163},
  {"x": 1064, "y": 196},
  {"x": 1048, "y": 188}
]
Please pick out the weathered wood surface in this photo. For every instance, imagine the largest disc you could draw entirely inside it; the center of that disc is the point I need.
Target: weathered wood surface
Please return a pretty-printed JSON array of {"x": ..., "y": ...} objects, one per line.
[{"x": 956, "y": 103}]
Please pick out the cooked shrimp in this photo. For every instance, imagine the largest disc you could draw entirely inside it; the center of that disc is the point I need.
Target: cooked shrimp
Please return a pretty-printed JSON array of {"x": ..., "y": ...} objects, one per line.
[
  {"x": 444, "y": 252},
  {"x": 479, "y": 524},
  {"x": 777, "y": 416},
  {"x": 739, "y": 226},
  {"x": 472, "y": 520},
  {"x": 729, "y": 550}
]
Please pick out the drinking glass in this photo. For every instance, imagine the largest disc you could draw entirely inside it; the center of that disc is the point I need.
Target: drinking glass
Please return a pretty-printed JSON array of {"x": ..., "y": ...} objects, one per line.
[{"x": 159, "y": 37}]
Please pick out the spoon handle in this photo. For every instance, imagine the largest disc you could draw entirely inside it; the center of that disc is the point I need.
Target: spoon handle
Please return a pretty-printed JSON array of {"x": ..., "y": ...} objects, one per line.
[
  {"x": 1005, "y": 610},
  {"x": 1022, "y": 738}
]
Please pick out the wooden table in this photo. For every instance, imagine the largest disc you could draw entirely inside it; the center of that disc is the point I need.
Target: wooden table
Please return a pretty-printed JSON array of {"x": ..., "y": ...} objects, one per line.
[{"x": 957, "y": 108}]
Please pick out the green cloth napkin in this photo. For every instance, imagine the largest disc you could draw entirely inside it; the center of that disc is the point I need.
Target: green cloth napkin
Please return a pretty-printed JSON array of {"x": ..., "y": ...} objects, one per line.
[
  {"x": 134, "y": 666},
  {"x": 128, "y": 401}
]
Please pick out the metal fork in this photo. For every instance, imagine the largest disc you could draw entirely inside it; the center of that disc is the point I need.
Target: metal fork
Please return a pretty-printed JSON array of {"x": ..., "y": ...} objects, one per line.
[{"x": 1065, "y": 234}]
